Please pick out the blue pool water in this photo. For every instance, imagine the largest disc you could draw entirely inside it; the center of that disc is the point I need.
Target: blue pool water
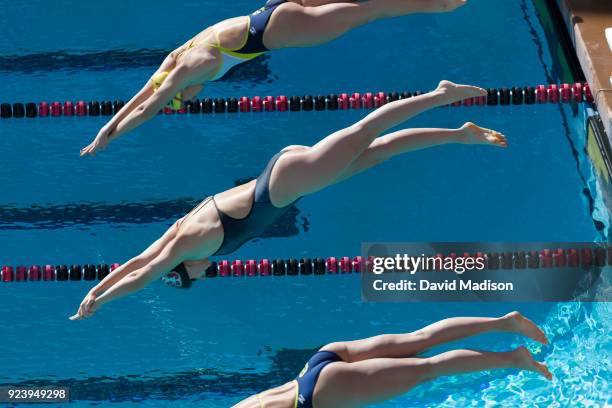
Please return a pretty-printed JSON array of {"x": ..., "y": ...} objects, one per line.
[{"x": 225, "y": 340}]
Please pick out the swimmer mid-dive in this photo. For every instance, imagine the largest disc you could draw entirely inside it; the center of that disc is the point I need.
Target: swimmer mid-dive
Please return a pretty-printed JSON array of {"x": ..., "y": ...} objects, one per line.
[
  {"x": 363, "y": 372},
  {"x": 212, "y": 52},
  {"x": 225, "y": 221}
]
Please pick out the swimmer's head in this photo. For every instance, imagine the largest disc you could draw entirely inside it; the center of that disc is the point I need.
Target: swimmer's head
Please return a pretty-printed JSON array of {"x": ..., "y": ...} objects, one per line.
[
  {"x": 178, "y": 277},
  {"x": 182, "y": 276},
  {"x": 157, "y": 80}
]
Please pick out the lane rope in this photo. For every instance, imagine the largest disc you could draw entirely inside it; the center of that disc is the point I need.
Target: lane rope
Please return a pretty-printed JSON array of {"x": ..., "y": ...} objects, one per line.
[
  {"x": 585, "y": 257},
  {"x": 552, "y": 93}
]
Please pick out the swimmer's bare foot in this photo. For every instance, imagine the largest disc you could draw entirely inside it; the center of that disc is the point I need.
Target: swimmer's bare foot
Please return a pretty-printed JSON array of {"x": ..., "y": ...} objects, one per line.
[
  {"x": 470, "y": 133},
  {"x": 522, "y": 325},
  {"x": 452, "y": 92},
  {"x": 525, "y": 360}
]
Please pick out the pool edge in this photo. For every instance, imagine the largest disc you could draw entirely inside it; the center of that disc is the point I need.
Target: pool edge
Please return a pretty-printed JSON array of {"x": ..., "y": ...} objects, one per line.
[{"x": 584, "y": 19}]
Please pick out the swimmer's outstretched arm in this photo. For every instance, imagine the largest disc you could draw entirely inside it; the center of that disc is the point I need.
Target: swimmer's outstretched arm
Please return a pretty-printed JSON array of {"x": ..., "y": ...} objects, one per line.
[
  {"x": 146, "y": 110},
  {"x": 171, "y": 255},
  {"x": 102, "y": 138},
  {"x": 132, "y": 265},
  {"x": 137, "y": 262}
]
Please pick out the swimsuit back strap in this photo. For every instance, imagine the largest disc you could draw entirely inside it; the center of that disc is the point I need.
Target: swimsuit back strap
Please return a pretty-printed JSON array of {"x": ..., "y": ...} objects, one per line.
[
  {"x": 217, "y": 38},
  {"x": 297, "y": 394},
  {"x": 261, "y": 403},
  {"x": 189, "y": 46}
]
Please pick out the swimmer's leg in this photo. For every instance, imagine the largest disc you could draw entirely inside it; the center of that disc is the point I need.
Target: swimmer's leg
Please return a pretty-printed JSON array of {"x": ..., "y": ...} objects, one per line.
[
  {"x": 293, "y": 25},
  {"x": 370, "y": 381},
  {"x": 444, "y": 331},
  {"x": 408, "y": 140},
  {"x": 308, "y": 170}
]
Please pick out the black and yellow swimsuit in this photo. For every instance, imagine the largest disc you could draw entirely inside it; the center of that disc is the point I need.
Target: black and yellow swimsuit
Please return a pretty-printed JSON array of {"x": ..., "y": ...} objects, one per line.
[
  {"x": 307, "y": 380},
  {"x": 252, "y": 47}
]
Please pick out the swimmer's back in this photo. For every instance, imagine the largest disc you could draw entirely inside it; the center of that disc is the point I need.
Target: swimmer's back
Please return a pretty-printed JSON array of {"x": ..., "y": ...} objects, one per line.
[
  {"x": 284, "y": 396},
  {"x": 228, "y": 33}
]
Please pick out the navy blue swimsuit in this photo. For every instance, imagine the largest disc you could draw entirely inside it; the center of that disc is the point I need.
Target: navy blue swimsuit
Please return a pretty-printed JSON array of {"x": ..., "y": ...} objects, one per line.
[
  {"x": 257, "y": 27},
  {"x": 307, "y": 380},
  {"x": 237, "y": 231}
]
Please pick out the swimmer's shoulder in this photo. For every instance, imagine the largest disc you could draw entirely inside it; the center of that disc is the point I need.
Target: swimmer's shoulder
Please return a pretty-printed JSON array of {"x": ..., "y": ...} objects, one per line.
[
  {"x": 282, "y": 396},
  {"x": 251, "y": 402}
]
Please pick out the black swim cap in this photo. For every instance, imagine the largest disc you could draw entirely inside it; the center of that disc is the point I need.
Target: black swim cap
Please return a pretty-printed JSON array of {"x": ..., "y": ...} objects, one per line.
[{"x": 178, "y": 277}]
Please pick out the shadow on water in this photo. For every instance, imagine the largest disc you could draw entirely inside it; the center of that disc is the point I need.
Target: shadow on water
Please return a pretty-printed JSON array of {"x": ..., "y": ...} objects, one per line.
[
  {"x": 161, "y": 385},
  {"x": 88, "y": 214},
  {"x": 250, "y": 73}
]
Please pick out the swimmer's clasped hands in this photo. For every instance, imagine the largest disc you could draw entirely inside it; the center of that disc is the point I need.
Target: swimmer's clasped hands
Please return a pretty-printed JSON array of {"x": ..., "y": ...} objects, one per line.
[
  {"x": 89, "y": 306},
  {"x": 99, "y": 143}
]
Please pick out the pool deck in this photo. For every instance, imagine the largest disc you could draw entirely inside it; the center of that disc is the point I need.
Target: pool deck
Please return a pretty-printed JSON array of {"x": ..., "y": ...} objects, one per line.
[{"x": 587, "y": 21}]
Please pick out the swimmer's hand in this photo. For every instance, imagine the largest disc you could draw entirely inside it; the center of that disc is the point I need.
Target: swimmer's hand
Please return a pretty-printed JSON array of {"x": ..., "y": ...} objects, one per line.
[
  {"x": 88, "y": 307},
  {"x": 99, "y": 143}
]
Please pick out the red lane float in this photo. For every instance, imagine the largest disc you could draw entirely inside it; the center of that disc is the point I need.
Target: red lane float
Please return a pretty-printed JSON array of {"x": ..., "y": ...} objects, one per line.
[
  {"x": 552, "y": 93},
  {"x": 546, "y": 258},
  {"x": 68, "y": 108}
]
